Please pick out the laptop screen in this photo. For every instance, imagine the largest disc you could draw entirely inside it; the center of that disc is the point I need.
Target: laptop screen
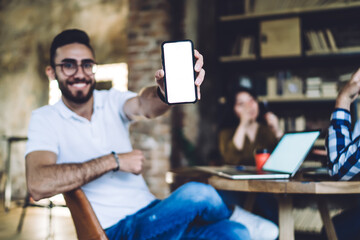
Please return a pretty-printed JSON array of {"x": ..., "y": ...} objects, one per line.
[{"x": 291, "y": 151}]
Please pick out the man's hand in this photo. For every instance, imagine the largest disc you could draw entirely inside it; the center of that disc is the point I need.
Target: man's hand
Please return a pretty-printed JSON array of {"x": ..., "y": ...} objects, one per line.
[
  {"x": 349, "y": 92},
  {"x": 132, "y": 162},
  {"x": 159, "y": 75}
]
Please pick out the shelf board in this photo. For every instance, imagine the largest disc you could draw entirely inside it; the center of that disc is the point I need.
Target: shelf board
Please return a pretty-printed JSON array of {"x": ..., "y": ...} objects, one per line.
[
  {"x": 293, "y": 11},
  {"x": 308, "y": 54},
  {"x": 236, "y": 58},
  {"x": 345, "y": 50},
  {"x": 296, "y": 99}
]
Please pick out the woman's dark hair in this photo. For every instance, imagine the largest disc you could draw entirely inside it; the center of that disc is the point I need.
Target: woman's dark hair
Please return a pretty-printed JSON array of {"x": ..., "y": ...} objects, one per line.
[
  {"x": 229, "y": 119},
  {"x": 238, "y": 90}
]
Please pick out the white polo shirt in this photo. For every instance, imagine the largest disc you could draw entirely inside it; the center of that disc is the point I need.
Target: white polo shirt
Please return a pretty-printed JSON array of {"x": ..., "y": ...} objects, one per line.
[{"x": 75, "y": 139}]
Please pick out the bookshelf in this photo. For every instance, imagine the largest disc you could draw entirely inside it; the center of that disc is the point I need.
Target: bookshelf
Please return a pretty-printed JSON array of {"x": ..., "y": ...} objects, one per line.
[{"x": 297, "y": 56}]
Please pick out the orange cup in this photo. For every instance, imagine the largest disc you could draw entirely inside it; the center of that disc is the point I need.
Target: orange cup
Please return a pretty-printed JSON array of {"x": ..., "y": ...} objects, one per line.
[{"x": 261, "y": 156}]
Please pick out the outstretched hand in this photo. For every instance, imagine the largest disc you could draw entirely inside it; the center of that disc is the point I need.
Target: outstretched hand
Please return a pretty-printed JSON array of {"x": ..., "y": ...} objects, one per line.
[{"x": 159, "y": 75}]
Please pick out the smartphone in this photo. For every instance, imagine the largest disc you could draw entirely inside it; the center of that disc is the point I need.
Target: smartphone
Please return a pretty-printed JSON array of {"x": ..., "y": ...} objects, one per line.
[{"x": 178, "y": 63}]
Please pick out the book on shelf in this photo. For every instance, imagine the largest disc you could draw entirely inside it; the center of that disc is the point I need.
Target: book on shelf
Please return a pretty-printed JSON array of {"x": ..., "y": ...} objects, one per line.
[
  {"x": 313, "y": 42},
  {"x": 313, "y": 87},
  {"x": 331, "y": 40},
  {"x": 300, "y": 123},
  {"x": 271, "y": 86},
  {"x": 281, "y": 76},
  {"x": 235, "y": 50},
  {"x": 345, "y": 77},
  {"x": 329, "y": 89},
  {"x": 246, "y": 43},
  {"x": 291, "y": 124},
  {"x": 321, "y": 41},
  {"x": 243, "y": 46}
]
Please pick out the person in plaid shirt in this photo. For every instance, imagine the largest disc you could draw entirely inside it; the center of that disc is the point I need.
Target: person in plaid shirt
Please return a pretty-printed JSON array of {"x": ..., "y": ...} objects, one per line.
[
  {"x": 342, "y": 143},
  {"x": 343, "y": 147}
]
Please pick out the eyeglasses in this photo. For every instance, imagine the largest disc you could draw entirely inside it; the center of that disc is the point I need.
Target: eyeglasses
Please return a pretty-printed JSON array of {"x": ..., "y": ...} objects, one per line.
[{"x": 71, "y": 68}]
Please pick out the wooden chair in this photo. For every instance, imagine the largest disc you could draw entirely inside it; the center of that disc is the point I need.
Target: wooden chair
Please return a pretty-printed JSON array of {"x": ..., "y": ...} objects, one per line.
[{"x": 86, "y": 223}]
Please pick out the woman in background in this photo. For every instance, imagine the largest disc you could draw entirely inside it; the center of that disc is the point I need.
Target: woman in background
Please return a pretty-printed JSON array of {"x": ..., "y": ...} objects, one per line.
[{"x": 238, "y": 142}]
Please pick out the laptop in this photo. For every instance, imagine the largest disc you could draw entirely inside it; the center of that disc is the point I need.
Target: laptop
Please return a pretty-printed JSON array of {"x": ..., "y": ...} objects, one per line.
[{"x": 283, "y": 162}]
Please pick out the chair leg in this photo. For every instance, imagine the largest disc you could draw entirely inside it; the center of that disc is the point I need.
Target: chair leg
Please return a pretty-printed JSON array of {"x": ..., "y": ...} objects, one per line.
[
  {"x": 22, "y": 217},
  {"x": 51, "y": 230}
]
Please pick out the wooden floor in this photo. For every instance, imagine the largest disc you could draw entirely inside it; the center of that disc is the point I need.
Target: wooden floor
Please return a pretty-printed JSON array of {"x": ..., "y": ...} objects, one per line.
[{"x": 37, "y": 224}]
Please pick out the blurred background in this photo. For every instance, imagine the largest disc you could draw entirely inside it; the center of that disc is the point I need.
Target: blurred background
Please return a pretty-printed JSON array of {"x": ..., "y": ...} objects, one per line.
[{"x": 295, "y": 54}]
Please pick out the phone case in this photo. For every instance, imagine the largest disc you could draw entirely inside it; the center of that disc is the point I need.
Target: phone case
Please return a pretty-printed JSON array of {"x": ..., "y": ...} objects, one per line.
[{"x": 178, "y": 64}]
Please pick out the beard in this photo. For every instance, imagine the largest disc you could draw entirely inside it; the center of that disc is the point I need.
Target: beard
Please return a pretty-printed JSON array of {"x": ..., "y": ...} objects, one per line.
[{"x": 79, "y": 97}]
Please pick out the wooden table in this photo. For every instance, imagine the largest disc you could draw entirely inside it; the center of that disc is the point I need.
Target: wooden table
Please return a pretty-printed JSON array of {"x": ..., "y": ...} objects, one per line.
[{"x": 285, "y": 190}]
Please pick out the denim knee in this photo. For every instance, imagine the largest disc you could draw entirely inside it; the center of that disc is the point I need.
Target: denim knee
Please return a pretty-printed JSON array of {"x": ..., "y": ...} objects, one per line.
[
  {"x": 229, "y": 230},
  {"x": 199, "y": 192}
]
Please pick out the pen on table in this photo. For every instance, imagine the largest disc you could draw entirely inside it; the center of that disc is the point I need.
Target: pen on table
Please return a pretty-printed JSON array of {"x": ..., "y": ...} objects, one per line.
[{"x": 240, "y": 167}]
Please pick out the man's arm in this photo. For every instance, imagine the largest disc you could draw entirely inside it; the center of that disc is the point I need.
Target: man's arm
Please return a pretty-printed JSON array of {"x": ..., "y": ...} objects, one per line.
[
  {"x": 148, "y": 103},
  {"x": 342, "y": 149},
  {"x": 45, "y": 178}
]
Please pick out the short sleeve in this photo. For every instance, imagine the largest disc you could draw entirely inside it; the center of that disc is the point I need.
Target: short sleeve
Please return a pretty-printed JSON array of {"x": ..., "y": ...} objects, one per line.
[
  {"x": 41, "y": 134},
  {"x": 119, "y": 98}
]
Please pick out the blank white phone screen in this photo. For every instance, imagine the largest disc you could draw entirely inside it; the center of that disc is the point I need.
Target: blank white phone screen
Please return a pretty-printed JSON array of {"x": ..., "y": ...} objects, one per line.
[{"x": 179, "y": 72}]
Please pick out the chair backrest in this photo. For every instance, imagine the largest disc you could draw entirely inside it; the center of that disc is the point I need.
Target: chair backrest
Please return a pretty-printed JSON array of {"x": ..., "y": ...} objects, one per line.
[{"x": 86, "y": 223}]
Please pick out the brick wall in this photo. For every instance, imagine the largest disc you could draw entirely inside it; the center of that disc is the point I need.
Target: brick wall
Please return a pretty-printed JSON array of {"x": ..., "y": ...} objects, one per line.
[{"x": 147, "y": 29}]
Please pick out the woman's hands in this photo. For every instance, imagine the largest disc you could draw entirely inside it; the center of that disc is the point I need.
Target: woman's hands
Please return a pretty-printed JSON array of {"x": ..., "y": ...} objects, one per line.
[{"x": 273, "y": 122}]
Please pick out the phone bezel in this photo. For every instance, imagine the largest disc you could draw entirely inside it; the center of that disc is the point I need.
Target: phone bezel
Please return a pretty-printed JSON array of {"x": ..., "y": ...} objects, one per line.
[{"x": 164, "y": 68}]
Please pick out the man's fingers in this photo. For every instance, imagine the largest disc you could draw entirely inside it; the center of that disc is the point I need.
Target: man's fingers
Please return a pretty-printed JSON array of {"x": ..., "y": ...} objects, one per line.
[
  {"x": 198, "y": 93},
  {"x": 200, "y": 60},
  {"x": 159, "y": 74},
  {"x": 200, "y": 78}
]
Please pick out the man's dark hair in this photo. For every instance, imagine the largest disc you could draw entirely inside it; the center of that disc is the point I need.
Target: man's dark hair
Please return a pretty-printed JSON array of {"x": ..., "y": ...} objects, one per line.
[{"x": 67, "y": 37}]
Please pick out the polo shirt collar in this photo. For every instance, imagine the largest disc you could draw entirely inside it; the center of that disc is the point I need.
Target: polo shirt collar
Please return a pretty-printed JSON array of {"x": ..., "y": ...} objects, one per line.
[{"x": 65, "y": 112}]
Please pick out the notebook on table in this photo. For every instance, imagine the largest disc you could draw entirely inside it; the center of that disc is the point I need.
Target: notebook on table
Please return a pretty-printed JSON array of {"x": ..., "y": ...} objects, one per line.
[{"x": 283, "y": 162}]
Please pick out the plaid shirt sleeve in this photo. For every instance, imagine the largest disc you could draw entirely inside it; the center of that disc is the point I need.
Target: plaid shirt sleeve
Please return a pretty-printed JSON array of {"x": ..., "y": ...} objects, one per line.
[{"x": 343, "y": 150}]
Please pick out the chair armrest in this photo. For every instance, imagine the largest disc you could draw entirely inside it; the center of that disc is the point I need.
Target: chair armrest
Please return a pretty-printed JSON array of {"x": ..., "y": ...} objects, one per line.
[{"x": 86, "y": 223}]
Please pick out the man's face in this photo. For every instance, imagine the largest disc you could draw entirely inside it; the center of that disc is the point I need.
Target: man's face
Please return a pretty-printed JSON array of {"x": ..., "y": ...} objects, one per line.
[{"x": 78, "y": 86}]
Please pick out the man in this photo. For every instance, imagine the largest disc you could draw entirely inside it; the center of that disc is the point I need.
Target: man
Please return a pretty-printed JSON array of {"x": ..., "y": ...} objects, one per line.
[
  {"x": 343, "y": 146},
  {"x": 83, "y": 141}
]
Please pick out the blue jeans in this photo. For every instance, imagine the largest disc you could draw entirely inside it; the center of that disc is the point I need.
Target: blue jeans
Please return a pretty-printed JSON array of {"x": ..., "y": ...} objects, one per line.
[{"x": 193, "y": 211}]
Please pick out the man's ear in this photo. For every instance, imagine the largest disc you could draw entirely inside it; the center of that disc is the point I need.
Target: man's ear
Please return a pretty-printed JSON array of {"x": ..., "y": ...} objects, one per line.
[{"x": 50, "y": 72}]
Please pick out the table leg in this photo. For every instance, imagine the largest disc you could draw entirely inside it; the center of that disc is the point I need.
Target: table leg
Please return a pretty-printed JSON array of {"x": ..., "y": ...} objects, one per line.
[
  {"x": 286, "y": 220},
  {"x": 325, "y": 216},
  {"x": 249, "y": 201}
]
